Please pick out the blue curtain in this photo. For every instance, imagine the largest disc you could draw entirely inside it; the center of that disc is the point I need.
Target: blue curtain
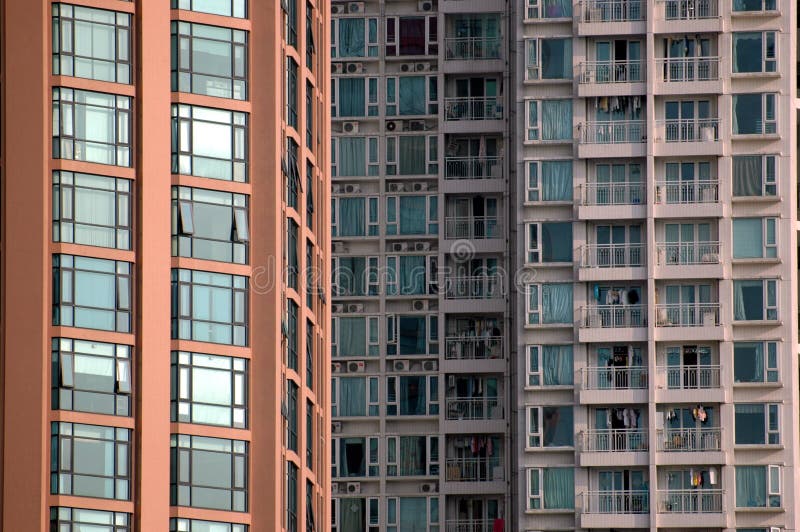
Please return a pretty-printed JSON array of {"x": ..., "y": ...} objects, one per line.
[
  {"x": 412, "y": 156},
  {"x": 557, "y": 180},
  {"x": 747, "y": 114},
  {"x": 412, "y": 275},
  {"x": 351, "y": 275},
  {"x": 352, "y": 97},
  {"x": 352, "y": 396},
  {"x": 749, "y": 422},
  {"x": 412, "y": 396},
  {"x": 556, "y": 58},
  {"x": 559, "y": 487},
  {"x": 351, "y": 37},
  {"x": 352, "y": 156},
  {"x": 556, "y": 119},
  {"x": 748, "y": 362},
  {"x": 748, "y": 300},
  {"x": 557, "y": 365},
  {"x": 412, "y": 215},
  {"x": 351, "y": 515},
  {"x": 747, "y": 238},
  {"x": 557, "y": 303},
  {"x": 557, "y": 426},
  {"x": 351, "y": 217},
  {"x": 557, "y": 242},
  {"x": 413, "y": 514},
  {"x": 412, "y": 95},
  {"x": 412, "y": 455},
  {"x": 352, "y": 337},
  {"x": 751, "y": 486},
  {"x": 412, "y": 335}
]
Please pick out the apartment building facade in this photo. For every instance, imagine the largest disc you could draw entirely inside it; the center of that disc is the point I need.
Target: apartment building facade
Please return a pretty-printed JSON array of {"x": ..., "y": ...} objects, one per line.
[{"x": 165, "y": 321}]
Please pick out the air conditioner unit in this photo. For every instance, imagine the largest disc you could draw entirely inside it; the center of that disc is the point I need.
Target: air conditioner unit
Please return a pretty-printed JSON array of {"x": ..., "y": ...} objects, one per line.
[
  {"x": 337, "y": 68},
  {"x": 397, "y": 187},
  {"x": 336, "y": 367},
  {"x": 350, "y": 127},
  {"x": 335, "y": 489},
  {"x": 356, "y": 366},
  {"x": 355, "y": 307},
  {"x": 402, "y": 365},
  {"x": 407, "y": 67},
  {"x": 339, "y": 247},
  {"x": 425, "y": 5},
  {"x": 354, "y": 487},
  {"x": 428, "y": 487},
  {"x": 337, "y": 307},
  {"x": 355, "y": 7},
  {"x": 419, "y": 304},
  {"x": 415, "y": 125},
  {"x": 422, "y": 246},
  {"x": 354, "y": 68},
  {"x": 418, "y": 187},
  {"x": 337, "y": 9},
  {"x": 399, "y": 246},
  {"x": 430, "y": 365},
  {"x": 423, "y": 67},
  {"x": 774, "y": 529},
  {"x": 352, "y": 189},
  {"x": 394, "y": 125},
  {"x": 336, "y": 427},
  {"x": 337, "y": 189}
]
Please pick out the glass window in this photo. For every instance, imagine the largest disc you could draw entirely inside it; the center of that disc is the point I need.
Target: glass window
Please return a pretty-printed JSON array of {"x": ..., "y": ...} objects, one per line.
[
  {"x": 309, "y": 197},
  {"x": 412, "y": 155},
  {"x": 550, "y": 426},
  {"x": 551, "y": 488},
  {"x": 291, "y": 496},
  {"x": 548, "y": 9},
  {"x": 209, "y": 307},
  {"x": 92, "y": 210},
  {"x": 354, "y": 336},
  {"x": 292, "y": 339},
  {"x": 292, "y": 95},
  {"x": 209, "y": 142},
  {"x": 292, "y": 259},
  {"x": 290, "y": 6},
  {"x": 549, "y": 180},
  {"x": 291, "y": 173},
  {"x": 411, "y": 36},
  {"x": 548, "y": 59},
  {"x": 417, "y": 513},
  {"x": 755, "y": 175},
  {"x": 90, "y": 376},
  {"x": 310, "y": 519},
  {"x": 355, "y": 276},
  {"x": 412, "y": 334},
  {"x": 354, "y": 37},
  {"x": 419, "y": 456},
  {"x": 755, "y": 362},
  {"x": 354, "y": 156},
  {"x": 758, "y": 486},
  {"x": 226, "y": 8},
  {"x": 355, "y": 396},
  {"x": 755, "y": 238},
  {"x": 549, "y": 242},
  {"x": 757, "y": 423},
  {"x": 411, "y": 95},
  {"x": 92, "y": 293},
  {"x": 754, "y": 52},
  {"x": 310, "y": 354},
  {"x": 418, "y": 215},
  {"x": 354, "y": 216},
  {"x": 354, "y": 97},
  {"x": 310, "y": 435},
  {"x": 309, "y": 115},
  {"x": 310, "y": 41},
  {"x": 91, "y": 43},
  {"x": 549, "y": 303},
  {"x": 208, "y": 473},
  {"x": 550, "y": 365},
  {"x": 415, "y": 395},
  {"x": 66, "y": 519},
  {"x": 209, "y": 60},
  {"x": 211, "y": 225},
  {"x": 755, "y": 299},
  {"x": 194, "y": 525},
  {"x": 354, "y": 457},
  {"x": 754, "y": 5},
  {"x": 90, "y": 461},
  {"x": 291, "y": 415},
  {"x": 91, "y": 126},
  {"x": 209, "y": 389},
  {"x": 549, "y": 120},
  {"x": 754, "y": 114}
]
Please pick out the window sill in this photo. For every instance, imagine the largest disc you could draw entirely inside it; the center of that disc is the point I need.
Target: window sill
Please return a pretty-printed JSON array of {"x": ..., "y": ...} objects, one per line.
[
  {"x": 545, "y": 20},
  {"x": 565, "y": 449},
  {"x": 535, "y": 326},
  {"x": 755, "y": 136},
  {"x": 755, "y": 75},
  {"x": 542, "y": 203},
  {"x": 564, "y": 142},
  {"x": 550, "y": 511},
  {"x": 760, "y": 14},
  {"x": 759, "y": 447},
  {"x": 558, "y": 81},
  {"x": 534, "y": 265},
  {"x": 757, "y": 323},
  {"x": 546, "y": 388},
  {"x": 756, "y": 199},
  {"x": 757, "y": 385},
  {"x": 760, "y": 510},
  {"x": 757, "y": 260}
]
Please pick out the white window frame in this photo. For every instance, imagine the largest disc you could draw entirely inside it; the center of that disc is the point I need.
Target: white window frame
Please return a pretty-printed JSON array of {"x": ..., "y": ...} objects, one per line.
[
  {"x": 534, "y": 377},
  {"x": 770, "y": 249},
  {"x": 763, "y": 8},
  {"x": 765, "y": 57},
  {"x": 534, "y": 10},
  {"x": 393, "y": 155},
  {"x": 767, "y": 346},
  {"x": 431, "y": 402},
  {"x": 372, "y": 346},
  {"x": 536, "y": 128},
  {"x": 396, "y": 41},
  {"x": 533, "y": 191},
  {"x": 774, "y": 472},
  {"x": 392, "y": 526},
  {"x": 431, "y": 442},
  {"x": 767, "y": 432},
  {"x": 530, "y": 310},
  {"x": 534, "y": 72},
  {"x": 431, "y": 103},
  {"x": 775, "y": 306},
  {"x": 371, "y": 154},
  {"x": 393, "y": 325},
  {"x": 368, "y": 44},
  {"x": 370, "y": 223},
  {"x": 531, "y": 435},
  {"x": 533, "y": 255},
  {"x": 396, "y": 222},
  {"x": 370, "y": 280},
  {"x": 538, "y": 495}
]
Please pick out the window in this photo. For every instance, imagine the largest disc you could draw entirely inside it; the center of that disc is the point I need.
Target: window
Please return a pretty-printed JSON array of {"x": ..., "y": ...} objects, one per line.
[
  {"x": 757, "y": 423},
  {"x": 209, "y": 142},
  {"x": 353, "y": 216},
  {"x": 91, "y": 43},
  {"x": 311, "y": 275},
  {"x": 354, "y": 156},
  {"x": 548, "y": 9},
  {"x": 209, "y": 307},
  {"x": 754, "y": 5},
  {"x": 77, "y": 520},
  {"x": 291, "y": 413},
  {"x": 412, "y": 155},
  {"x": 355, "y": 397},
  {"x": 92, "y": 293},
  {"x": 354, "y": 457},
  {"x": 208, "y": 473},
  {"x": 758, "y": 486},
  {"x": 354, "y": 336},
  {"x": 412, "y": 334},
  {"x": 551, "y": 488},
  {"x": 291, "y": 173},
  {"x": 92, "y": 210},
  {"x": 549, "y": 120},
  {"x": 209, "y": 60},
  {"x": 411, "y": 36},
  {"x": 408, "y": 514},
  {"x": 354, "y": 514},
  {"x": 309, "y": 196},
  {"x": 90, "y": 376},
  {"x": 548, "y": 59},
  {"x": 310, "y": 354},
  {"x": 226, "y": 8},
  {"x": 412, "y": 456},
  {"x": 755, "y": 299},
  {"x": 355, "y": 276},
  {"x": 755, "y": 362},
  {"x": 292, "y": 339},
  {"x": 550, "y": 426},
  {"x": 354, "y": 37},
  {"x": 76, "y": 466},
  {"x": 292, "y": 95},
  {"x": 309, "y": 116},
  {"x": 91, "y": 126},
  {"x": 209, "y": 389},
  {"x": 310, "y": 46},
  {"x": 210, "y": 225},
  {"x": 755, "y": 175},
  {"x": 291, "y": 496},
  {"x": 310, "y": 435},
  {"x": 754, "y": 114},
  {"x": 755, "y": 238},
  {"x": 549, "y": 242},
  {"x": 549, "y": 303},
  {"x": 414, "y": 395},
  {"x": 550, "y": 365},
  {"x": 411, "y": 95},
  {"x": 754, "y": 52},
  {"x": 412, "y": 215},
  {"x": 548, "y": 180},
  {"x": 292, "y": 259},
  {"x": 408, "y": 275},
  {"x": 354, "y": 97}
]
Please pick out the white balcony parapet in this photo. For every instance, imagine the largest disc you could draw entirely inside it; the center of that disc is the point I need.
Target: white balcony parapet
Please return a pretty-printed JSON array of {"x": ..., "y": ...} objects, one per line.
[
  {"x": 473, "y": 347},
  {"x": 474, "y": 469},
  {"x": 692, "y": 501},
  {"x": 474, "y": 287},
  {"x": 613, "y": 132},
  {"x": 602, "y": 72},
  {"x": 690, "y": 440},
  {"x": 479, "y": 167},
  {"x": 687, "y": 253},
  {"x": 687, "y": 69},
  {"x": 687, "y": 192},
  {"x": 472, "y": 408},
  {"x": 614, "y": 441},
  {"x": 472, "y": 227},
  {"x": 616, "y": 502},
  {"x": 691, "y": 377},
  {"x": 615, "y": 378},
  {"x": 613, "y": 255},
  {"x": 473, "y": 108},
  {"x": 472, "y": 48},
  {"x": 613, "y": 316},
  {"x": 613, "y": 193},
  {"x": 612, "y": 10},
  {"x": 687, "y": 315},
  {"x": 689, "y": 9},
  {"x": 688, "y": 130}
]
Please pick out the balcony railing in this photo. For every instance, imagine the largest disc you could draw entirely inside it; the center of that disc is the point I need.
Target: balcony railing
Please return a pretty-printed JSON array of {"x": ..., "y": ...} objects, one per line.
[
  {"x": 693, "y": 501},
  {"x": 685, "y": 253},
  {"x": 612, "y": 10},
  {"x": 474, "y": 287},
  {"x": 472, "y": 227},
  {"x": 473, "y": 108},
  {"x": 473, "y": 167},
  {"x": 613, "y": 132},
  {"x": 615, "y": 441},
  {"x": 615, "y": 378},
  {"x": 613, "y": 193},
  {"x": 613, "y": 255},
  {"x": 470, "y": 525},
  {"x": 616, "y": 502},
  {"x": 613, "y": 316},
  {"x": 689, "y": 130},
  {"x": 687, "y": 315},
  {"x": 474, "y": 469},
  {"x": 691, "y": 377},
  {"x": 690, "y": 9},
  {"x": 685, "y": 69},
  {"x": 473, "y": 347},
  {"x": 471, "y": 48},
  {"x": 474, "y": 408},
  {"x": 690, "y": 440},
  {"x": 684, "y": 192},
  {"x": 602, "y": 72}
]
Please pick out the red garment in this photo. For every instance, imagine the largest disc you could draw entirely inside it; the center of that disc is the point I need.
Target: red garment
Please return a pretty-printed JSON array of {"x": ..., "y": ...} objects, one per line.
[{"x": 499, "y": 525}]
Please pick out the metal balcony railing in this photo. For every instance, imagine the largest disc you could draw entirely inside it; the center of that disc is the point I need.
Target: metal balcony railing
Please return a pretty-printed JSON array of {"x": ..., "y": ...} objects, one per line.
[
  {"x": 687, "y": 69},
  {"x": 480, "y": 167},
  {"x": 683, "y": 192},
  {"x": 472, "y": 48},
  {"x": 473, "y": 347},
  {"x": 616, "y": 502},
  {"x": 613, "y": 193},
  {"x": 613, "y": 132},
  {"x": 692, "y": 501},
  {"x": 474, "y": 287},
  {"x": 687, "y": 315},
  {"x": 613, "y": 316},
  {"x": 689, "y": 130},
  {"x": 474, "y": 469},
  {"x": 612, "y": 10},
  {"x": 613, "y": 255},
  {"x": 472, "y": 227},
  {"x": 472, "y": 408},
  {"x": 473, "y": 108},
  {"x": 690, "y": 440},
  {"x": 602, "y": 72},
  {"x": 691, "y": 377},
  {"x": 615, "y": 378},
  {"x": 614, "y": 441},
  {"x": 470, "y": 525},
  {"x": 690, "y": 9},
  {"x": 686, "y": 253}
]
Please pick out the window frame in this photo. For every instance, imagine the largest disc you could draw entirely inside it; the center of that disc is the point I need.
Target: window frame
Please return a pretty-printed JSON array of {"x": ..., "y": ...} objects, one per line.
[
  {"x": 372, "y": 342},
  {"x": 393, "y": 336},
  {"x": 371, "y": 157},
  {"x": 769, "y": 348},
  {"x": 372, "y": 223},
  {"x": 238, "y": 8},
  {"x": 533, "y": 191},
  {"x": 393, "y": 395},
  {"x": 370, "y": 285},
  {"x": 768, "y": 178},
  {"x": 533, "y": 72},
  {"x": 765, "y": 125},
  {"x": 432, "y": 458},
  {"x": 73, "y": 518},
  {"x": 393, "y": 155},
  {"x": 768, "y": 57},
  {"x": 392, "y": 99},
  {"x": 371, "y": 98},
  {"x": 772, "y": 416},
  {"x": 392, "y": 40},
  {"x": 371, "y": 38},
  {"x": 392, "y": 223},
  {"x": 532, "y": 436},
  {"x": 372, "y": 463}
]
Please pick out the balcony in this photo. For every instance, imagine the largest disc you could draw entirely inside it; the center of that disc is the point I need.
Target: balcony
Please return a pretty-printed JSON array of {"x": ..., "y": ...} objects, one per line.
[
  {"x": 610, "y": 17},
  {"x": 610, "y": 447},
  {"x": 607, "y": 323},
  {"x": 471, "y": 525},
  {"x": 473, "y": 114},
  {"x": 489, "y": 472},
  {"x": 611, "y": 78},
  {"x": 628, "y": 136},
  {"x": 472, "y": 48},
  {"x": 687, "y": 16},
  {"x": 615, "y": 509},
  {"x": 688, "y": 322},
  {"x": 697, "y": 383},
  {"x": 687, "y": 192},
  {"x": 695, "y": 508},
  {"x": 613, "y": 385},
  {"x": 474, "y": 287},
  {"x": 700, "y": 73},
  {"x": 472, "y": 227},
  {"x": 473, "y": 347},
  {"x": 477, "y": 174},
  {"x": 612, "y": 201},
  {"x": 612, "y": 262},
  {"x": 690, "y": 440},
  {"x": 474, "y": 408},
  {"x": 688, "y": 260},
  {"x": 691, "y": 137}
]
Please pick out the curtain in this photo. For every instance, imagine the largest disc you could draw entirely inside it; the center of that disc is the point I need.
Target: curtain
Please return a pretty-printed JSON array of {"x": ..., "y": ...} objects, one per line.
[
  {"x": 97, "y": 208},
  {"x": 352, "y": 457},
  {"x": 351, "y": 217},
  {"x": 351, "y": 275},
  {"x": 412, "y": 36},
  {"x": 533, "y": 120},
  {"x": 747, "y": 238},
  {"x": 749, "y": 424},
  {"x": 557, "y": 180},
  {"x": 412, "y": 95},
  {"x": 413, "y": 514},
  {"x": 412, "y": 157},
  {"x": 747, "y": 114},
  {"x": 352, "y": 156},
  {"x": 556, "y": 58},
  {"x": 352, "y": 97},
  {"x": 747, "y": 52},
  {"x": 557, "y": 426},
  {"x": 557, "y": 242},
  {"x": 352, "y": 337},
  {"x": 352, "y": 396},
  {"x": 557, "y": 365},
  {"x": 412, "y": 275},
  {"x": 557, "y": 8},
  {"x": 748, "y": 362},
  {"x": 748, "y": 300},
  {"x": 559, "y": 487},
  {"x": 751, "y": 486},
  {"x": 412, "y": 396},
  {"x": 412, "y": 455},
  {"x": 556, "y": 119},
  {"x": 352, "y": 515},
  {"x": 412, "y": 215},
  {"x": 747, "y": 176},
  {"x": 557, "y": 303},
  {"x": 351, "y": 37},
  {"x": 412, "y": 335}
]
